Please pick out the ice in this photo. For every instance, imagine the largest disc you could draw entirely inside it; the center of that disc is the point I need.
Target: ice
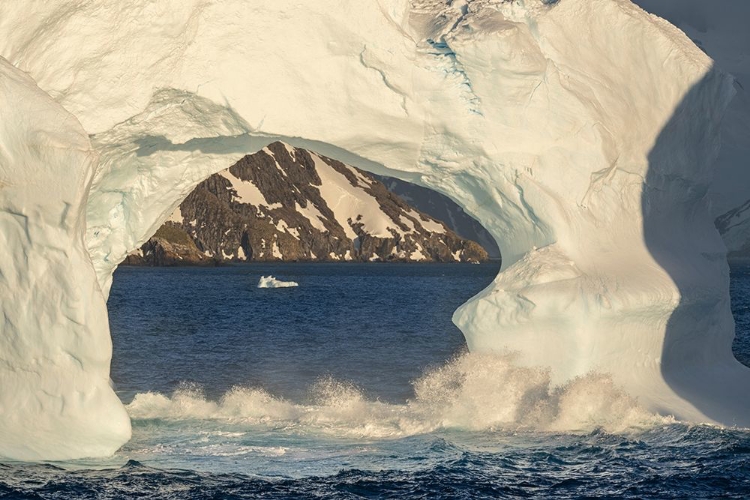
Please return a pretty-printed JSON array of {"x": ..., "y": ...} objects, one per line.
[
  {"x": 580, "y": 133},
  {"x": 55, "y": 348},
  {"x": 271, "y": 282},
  {"x": 720, "y": 29}
]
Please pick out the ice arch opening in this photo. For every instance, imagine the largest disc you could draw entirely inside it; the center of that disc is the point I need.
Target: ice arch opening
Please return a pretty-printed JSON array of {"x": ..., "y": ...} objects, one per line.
[
  {"x": 225, "y": 224},
  {"x": 538, "y": 119}
]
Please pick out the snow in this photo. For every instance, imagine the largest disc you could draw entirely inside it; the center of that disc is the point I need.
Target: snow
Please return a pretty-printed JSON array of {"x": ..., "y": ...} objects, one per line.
[
  {"x": 552, "y": 125},
  {"x": 275, "y": 161},
  {"x": 350, "y": 205},
  {"x": 247, "y": 191},
  {"x": 311, "y": 213},
  {"x": 417, "y": 255},
  {"x": 293, "y": 231},
  {"x": 290, "y": 150},
  {"x": 275, "y": 250},
  {"x": 271, "y": 282},
  {"x": 283, "y": 227},
  {"x": 407, "y": 222},
  {"x": 241, "y": 253},
  {"x": 176, "y": 216},
  {"x": 362, "y": 181},
  {"x": 428, "y": 224}
]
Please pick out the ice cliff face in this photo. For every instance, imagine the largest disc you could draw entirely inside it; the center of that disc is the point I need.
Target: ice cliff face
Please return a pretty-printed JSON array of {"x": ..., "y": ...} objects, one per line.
[
  {"x": 719, "y": 28},
  {"x": 55, "y": 349},
  {"x": 580, "y": 133},
  {"x": 284, "y": 203}
]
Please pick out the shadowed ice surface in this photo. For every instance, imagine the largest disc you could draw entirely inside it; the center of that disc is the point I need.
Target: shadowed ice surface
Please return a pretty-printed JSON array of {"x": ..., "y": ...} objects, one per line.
[{"x": 679, "y": 231}]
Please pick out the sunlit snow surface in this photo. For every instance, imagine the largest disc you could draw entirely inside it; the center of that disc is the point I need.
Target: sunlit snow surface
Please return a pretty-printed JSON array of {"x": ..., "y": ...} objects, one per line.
[{"x": 324, "y": 424}]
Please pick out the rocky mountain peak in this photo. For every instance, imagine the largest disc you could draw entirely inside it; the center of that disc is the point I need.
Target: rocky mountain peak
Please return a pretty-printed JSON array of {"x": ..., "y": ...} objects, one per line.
[{"x": 285, "y": 203}]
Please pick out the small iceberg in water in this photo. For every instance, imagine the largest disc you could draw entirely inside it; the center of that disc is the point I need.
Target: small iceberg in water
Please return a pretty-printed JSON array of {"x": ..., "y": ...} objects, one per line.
[{"x": 271, "y": 282}]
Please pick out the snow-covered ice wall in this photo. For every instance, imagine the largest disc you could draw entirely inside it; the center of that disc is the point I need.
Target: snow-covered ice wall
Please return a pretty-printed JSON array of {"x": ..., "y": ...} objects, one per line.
[{"x": 581, "y": 133}]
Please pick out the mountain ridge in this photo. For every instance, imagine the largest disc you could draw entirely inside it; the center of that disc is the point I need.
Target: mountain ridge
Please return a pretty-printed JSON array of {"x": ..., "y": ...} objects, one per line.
[{"x": 290, "y": 204}]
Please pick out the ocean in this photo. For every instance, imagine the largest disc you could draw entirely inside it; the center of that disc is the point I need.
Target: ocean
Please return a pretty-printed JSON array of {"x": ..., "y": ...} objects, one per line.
[{"x": 355, "y": 384}]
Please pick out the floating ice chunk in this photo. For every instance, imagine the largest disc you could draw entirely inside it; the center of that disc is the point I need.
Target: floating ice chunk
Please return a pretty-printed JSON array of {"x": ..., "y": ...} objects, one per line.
[{"x": 271, "y": 282}]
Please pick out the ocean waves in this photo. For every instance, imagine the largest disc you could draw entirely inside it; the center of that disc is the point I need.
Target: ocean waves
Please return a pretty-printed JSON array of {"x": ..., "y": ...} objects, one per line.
[{"x": 473, "y": 392}]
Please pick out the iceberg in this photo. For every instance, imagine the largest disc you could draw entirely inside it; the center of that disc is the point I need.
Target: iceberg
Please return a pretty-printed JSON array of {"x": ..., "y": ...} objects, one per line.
[
  {"x": 271, "y": 282},
  {"x": 55, "y": 348},
  {"x": 581, "y": 133}
]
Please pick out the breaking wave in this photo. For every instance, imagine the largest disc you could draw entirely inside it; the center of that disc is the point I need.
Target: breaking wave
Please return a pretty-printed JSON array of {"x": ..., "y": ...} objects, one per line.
[{"x": 474, "y": 392}]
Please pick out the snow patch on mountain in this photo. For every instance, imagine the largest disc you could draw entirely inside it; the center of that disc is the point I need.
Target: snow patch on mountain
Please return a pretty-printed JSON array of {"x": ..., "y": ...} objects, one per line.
[
  {"x": 444, "y": 209},
  {"x": 246, "y": 192},
  {"x": 350, "y": 204}
]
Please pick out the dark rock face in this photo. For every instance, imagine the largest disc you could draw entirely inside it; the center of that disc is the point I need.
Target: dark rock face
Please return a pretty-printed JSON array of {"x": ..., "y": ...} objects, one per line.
[
  {"x": 170, "y": 246},
  {"x": 288, "y": 204},
  {"x": 442, "y": 208},
  {"x": 734, "y": 227}
]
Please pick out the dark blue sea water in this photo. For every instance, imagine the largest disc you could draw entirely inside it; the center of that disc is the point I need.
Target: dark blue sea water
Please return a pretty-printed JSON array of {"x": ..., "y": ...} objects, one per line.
[{"x": 355, "y": 384}]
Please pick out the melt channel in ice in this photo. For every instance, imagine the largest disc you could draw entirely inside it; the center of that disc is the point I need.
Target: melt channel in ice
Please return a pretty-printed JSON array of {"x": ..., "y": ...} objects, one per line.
[{"x": 580, "y": 133}]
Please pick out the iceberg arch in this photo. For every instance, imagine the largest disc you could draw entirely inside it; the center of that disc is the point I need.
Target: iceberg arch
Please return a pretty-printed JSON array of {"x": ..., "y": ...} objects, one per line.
[{"x": 580, "y": 133}]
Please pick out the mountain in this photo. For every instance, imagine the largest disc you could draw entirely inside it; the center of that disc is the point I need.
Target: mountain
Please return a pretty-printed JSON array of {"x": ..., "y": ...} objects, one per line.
[
  {"x": 442, "y": 208},
  {"x": 734, "y": 227},
  {"x": 290, "y": 204}
]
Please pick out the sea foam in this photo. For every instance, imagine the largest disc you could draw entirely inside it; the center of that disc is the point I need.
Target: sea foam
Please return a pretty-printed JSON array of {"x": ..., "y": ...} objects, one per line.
[{"x": 473, "y": 392}]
